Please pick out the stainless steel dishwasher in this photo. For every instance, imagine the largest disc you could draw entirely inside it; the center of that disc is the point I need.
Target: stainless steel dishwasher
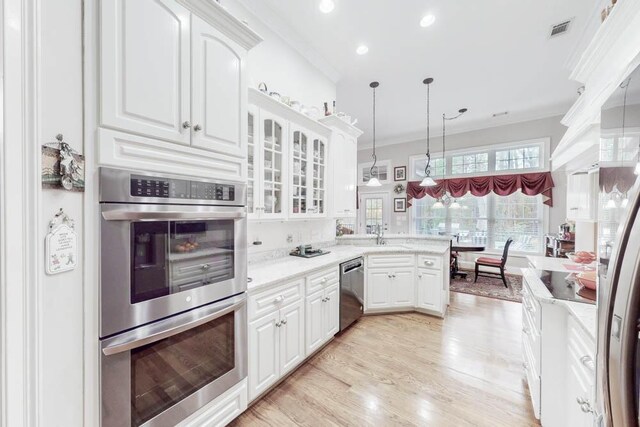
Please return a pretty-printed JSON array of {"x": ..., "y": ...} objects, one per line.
[{"x": 351, "y": 291}]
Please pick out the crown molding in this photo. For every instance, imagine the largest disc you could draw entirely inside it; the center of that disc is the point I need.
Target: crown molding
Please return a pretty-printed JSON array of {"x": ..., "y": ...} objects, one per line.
[
  {"x": 220, "y": 18},
  {"x": 334, "y": 121},
  {"x": 271, "y": 19},
  {"x": 419, "y": 136}
]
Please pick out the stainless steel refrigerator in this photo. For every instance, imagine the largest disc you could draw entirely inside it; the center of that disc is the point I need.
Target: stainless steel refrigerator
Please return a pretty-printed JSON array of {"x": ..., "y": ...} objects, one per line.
[{"x": 618, "y": 364}]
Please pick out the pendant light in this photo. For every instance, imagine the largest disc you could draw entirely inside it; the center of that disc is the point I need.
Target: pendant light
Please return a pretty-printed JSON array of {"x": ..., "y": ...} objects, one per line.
[
  {"x": 428, "y": 181},
  {"x": 445, "y": 200},
  {"x": 373, "y": 179}
]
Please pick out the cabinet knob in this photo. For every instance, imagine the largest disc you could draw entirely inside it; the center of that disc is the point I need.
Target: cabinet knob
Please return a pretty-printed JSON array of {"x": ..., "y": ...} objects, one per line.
[
  {"x": 588, "y": 362},
  {"x": 420, "y": 276},
  {"x": 197, "y": 128},
  {"x": 283, "y": 322},
  {"x": 206, "y": 267},
  {"x": 278, "y": 299},
  {"x": 328, "y": 298},
  {"x": 324, "y": 280},
  {"x": 427, "y": 262},
  {"x": 278, "y": 324},
  {"x": 186, "y": 125}
]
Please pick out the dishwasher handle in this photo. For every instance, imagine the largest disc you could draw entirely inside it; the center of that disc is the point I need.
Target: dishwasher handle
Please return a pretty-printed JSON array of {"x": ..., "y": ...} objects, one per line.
[{"x": 353, "y": 265}]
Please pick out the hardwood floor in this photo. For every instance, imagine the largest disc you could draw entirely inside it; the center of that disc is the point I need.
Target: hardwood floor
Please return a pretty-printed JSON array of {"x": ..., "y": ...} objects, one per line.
[{"x": 411, "y": 369}]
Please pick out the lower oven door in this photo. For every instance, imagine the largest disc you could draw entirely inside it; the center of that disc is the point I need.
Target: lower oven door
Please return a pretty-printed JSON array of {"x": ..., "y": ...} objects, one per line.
[{"x": 159, "y": 374}]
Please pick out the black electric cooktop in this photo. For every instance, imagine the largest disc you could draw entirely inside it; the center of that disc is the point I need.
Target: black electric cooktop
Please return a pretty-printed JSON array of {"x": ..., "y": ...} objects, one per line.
[{"x": 563, "y": 285}]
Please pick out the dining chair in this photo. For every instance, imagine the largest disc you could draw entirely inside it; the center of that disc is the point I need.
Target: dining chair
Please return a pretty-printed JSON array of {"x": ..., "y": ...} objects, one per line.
[{"x": 498, "y": 263}]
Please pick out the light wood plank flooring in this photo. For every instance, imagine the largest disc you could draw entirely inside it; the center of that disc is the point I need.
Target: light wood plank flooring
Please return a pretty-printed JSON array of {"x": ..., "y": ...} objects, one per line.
[{"x": 411, "y": 369}]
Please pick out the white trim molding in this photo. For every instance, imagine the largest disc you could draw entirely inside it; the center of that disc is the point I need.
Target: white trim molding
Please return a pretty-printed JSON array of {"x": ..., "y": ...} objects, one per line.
[{"x": 20, "y": 254}]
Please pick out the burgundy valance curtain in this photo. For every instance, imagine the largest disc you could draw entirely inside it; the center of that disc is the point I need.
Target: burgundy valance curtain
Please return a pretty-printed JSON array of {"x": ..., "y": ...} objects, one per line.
[{"x": 530, "y": 184}]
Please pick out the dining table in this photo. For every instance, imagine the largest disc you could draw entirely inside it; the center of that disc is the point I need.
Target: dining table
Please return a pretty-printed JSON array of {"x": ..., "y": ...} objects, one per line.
[{"x": 457, "y": 247}]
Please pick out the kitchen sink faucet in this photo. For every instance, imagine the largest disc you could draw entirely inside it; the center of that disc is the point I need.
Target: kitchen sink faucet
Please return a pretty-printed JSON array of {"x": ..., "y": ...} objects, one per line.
[{"x": 380, "y": 235}]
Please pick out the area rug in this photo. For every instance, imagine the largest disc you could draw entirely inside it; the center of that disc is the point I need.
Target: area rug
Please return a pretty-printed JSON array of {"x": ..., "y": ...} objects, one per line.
[{"x": 489, "y": 287}]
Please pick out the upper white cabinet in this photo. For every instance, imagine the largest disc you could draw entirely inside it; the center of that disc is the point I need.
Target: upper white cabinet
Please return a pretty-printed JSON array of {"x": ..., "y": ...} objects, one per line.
[
  {"x": 146, "y": 68},
  {"x": 288, "y": 158},
  {"x": 267, "y": 150},
  {"x": 344, "y": 159},
  {"x": 582, "y": 196},
  {"x": 218, "y": 96},
  {"x": 173, "y": 71}
]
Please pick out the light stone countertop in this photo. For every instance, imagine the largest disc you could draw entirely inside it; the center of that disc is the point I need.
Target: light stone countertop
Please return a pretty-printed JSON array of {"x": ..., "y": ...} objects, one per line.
[
  {"x": 585, "y": 314},
  {"x": 269, "y": 273},
  {"x": 540, "y": 262}
]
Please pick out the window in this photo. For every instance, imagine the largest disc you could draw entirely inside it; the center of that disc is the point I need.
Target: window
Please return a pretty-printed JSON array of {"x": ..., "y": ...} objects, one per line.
[
  {"x": 618, "y": 149},
  {"x": 489, "y": 220},
  {"x": 373, "y": 214},
  {"x": 383, "y": 170},
  {"x": 518, "y": 158},
  {"x": 469, "y": 163},
  {"x": 496, "y": 159},
  {"x": 437, "y": 167}
]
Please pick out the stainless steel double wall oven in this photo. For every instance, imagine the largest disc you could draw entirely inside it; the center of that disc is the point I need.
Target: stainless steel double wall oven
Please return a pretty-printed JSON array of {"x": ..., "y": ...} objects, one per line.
[{"x": 172, "y": 294}]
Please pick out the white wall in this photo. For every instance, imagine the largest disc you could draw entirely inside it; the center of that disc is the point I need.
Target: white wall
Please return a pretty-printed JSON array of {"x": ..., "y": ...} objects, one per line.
[
  {"x": 60, "y": 297},
  {"x": 399, "y": 155},
  {"x": 287, "y": 72},
  {"x": 281, "y": 67}
]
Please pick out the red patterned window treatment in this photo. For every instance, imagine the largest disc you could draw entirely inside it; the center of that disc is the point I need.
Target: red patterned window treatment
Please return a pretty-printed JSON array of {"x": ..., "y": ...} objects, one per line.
[{"x": 530, "y": 184}]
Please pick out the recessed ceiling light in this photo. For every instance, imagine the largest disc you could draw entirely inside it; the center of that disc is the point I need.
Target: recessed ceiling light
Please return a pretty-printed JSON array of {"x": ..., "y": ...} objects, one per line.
[
  {"x": 362, "y": 49},
  {"x": 326, "y": 6},
  {"x": 427, "y": 20}
]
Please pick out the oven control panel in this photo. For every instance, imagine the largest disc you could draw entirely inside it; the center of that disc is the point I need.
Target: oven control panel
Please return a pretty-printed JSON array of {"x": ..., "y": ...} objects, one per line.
[{"x": 157, "y": 187}]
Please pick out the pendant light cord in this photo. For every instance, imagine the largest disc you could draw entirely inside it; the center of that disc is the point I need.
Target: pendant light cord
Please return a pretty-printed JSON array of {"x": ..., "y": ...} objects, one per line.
[
  {"x": 427, "y": 169},
  {"x": 373, "y": 155}
]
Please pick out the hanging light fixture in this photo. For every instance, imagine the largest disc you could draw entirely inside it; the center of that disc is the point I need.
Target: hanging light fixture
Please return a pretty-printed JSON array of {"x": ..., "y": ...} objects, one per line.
[
  {"x": 428, "y": 181},
  {"x": 445, "y": 200},
  {"x": 373, "y": 179}
]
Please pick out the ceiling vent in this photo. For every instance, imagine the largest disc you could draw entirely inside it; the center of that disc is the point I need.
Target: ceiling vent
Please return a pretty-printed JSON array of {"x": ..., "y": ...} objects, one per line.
[{"x": 561, "y": 28}]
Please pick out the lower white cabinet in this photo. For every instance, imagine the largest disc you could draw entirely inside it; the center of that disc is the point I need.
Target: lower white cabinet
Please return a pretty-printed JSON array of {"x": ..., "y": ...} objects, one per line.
[
  {"x": 322, "y": 317},
  {"x": 580, "y": 376},
  {"x": 394, "y": 282},
  {"x": 429, "y": 289},
  {"x": 276, "y": 346}
]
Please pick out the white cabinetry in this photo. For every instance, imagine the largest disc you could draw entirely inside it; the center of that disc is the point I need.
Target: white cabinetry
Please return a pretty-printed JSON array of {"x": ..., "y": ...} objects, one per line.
[
  {"x": 267, "y": 150},
  {"x": 581, "y": 377},
  {"x": 218, "y": 91},
  {"x": 276, "y": 340},
  {"x": 430, "y": 292},
  {"x": 582, "y": 196},
  {"x": 322, "y": 309},
  {"x": 146, "y": 68},
  {"x": 531, "y": 349},
  {"x": 169, "y": 76},
  {"x": 344, "y": 165},
  {"x": 288, "y": 161}
]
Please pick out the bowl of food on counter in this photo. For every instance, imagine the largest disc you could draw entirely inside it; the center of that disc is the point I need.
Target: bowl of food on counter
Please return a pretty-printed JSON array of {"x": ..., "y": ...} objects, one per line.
[
  {"x": 587, "y": 279},
  {"x": 581, "y": 257}
]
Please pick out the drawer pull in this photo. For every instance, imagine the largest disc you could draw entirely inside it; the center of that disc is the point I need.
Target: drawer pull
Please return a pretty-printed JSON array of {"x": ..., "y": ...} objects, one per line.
[
  {"x": 278, "y": 299},
  {"x": 420, "y": 276},
  {"x": 324, "y": 280},
  {"x": 427, "y": 262},
  {"x": 283, "y": 322},
  {"x": 278, "y": 324},
  {"x": 206, "y": 267},
  {"x": 588, "y": 362}
]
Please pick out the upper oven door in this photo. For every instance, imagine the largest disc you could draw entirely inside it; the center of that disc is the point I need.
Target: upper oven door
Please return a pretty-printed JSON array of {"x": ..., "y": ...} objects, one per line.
[{"x": 159, "y": 260}]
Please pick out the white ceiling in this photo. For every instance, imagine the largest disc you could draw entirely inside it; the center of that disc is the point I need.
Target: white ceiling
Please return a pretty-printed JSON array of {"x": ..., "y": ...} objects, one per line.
[{"x": 489, "y": 56}]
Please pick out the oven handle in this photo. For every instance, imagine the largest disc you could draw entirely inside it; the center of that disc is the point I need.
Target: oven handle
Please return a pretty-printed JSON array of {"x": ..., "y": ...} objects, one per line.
[
  {"x": 170, "y": 327},
  {"x": 116, "y": 214}
]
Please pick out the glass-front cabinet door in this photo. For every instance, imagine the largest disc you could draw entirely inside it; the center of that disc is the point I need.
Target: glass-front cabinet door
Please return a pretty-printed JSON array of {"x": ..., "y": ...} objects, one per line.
[
  {"x": 319, "y": 162},
  {"x": 272, "y": 167},
  {"x": 267, "y": 148},
  {"x": 252, "y": 161},
  {"x": 299, "y": 172}
]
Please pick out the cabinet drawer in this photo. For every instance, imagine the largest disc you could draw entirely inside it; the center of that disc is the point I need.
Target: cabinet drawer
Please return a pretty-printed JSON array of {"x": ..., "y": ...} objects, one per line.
[
  {"x": 531, "y": 308},
  {"x": 319, "y": 281},
  {"x": 430, "y": 261},
  {"x": 533, "y": 379},
  {"x": 531, "y": 339},
  {"x": 383, "y": 261},
  {"x": 581, "y": 350},
  {"x": 273, "y": 299}
]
